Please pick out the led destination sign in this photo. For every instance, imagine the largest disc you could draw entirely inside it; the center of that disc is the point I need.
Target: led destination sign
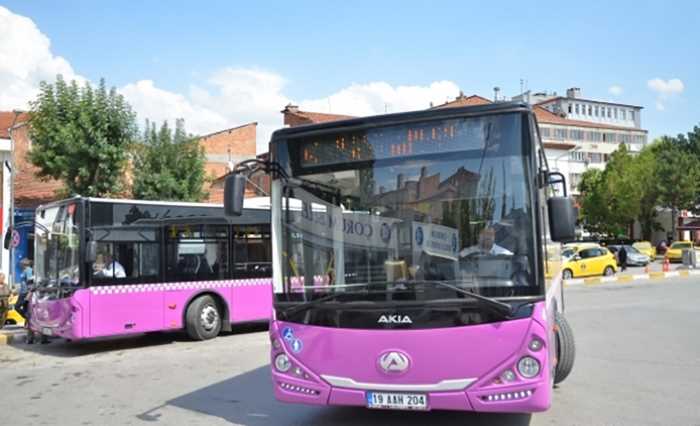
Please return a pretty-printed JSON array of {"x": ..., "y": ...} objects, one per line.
[{"x": 430, "y": 137}]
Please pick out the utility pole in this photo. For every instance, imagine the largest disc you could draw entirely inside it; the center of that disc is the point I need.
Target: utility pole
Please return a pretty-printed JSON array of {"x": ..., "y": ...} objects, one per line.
[{"x": 11, "y": 222}]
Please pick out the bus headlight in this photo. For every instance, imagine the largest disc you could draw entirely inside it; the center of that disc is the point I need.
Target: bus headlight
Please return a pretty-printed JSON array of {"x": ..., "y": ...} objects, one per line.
[
  {"x": 528, "y": 367},
  {"x": 282, "y": 363},
  {"x": 535, "y": 344}
]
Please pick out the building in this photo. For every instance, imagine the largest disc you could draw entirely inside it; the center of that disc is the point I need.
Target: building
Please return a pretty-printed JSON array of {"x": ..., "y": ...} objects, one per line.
[{"x": 224, "y": 149}]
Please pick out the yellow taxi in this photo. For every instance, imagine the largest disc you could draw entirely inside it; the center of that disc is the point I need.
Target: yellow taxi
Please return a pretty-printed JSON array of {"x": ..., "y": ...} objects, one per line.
[
  {"x": 13, "y": 317},
  {"x": 675, "y": 252},
  {"x": 645, "y": 247},
  {"x": 588, "y": 259}
]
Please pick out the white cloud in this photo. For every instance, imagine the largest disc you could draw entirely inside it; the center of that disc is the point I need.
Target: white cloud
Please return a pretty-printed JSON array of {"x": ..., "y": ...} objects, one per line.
[
  {"x": 225, "y": 98},
  {"x": 665, "y": 89},
  {"x": 379, "y": 97},
  {"x": 157, "y": 105},
  {"x": 26, "y": 60},
  {"x": 615, "y": 90}
]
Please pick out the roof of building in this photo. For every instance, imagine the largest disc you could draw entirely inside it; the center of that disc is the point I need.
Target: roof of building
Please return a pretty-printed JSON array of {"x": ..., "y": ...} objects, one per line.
[
  {"x": 313, "y": 117},
  {"x": 254, "y": 123},
  {"x": 6, "y": 120},
  {"x": 462, "y": 100},
  {"x": 545, "y": 116},
  {"x": 556, "y": 98}
]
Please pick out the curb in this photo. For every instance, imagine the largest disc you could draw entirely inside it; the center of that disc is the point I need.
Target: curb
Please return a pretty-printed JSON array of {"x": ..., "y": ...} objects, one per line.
[
  {"x": 630, "y": 278},
  {"x": 10, "y": 338}
]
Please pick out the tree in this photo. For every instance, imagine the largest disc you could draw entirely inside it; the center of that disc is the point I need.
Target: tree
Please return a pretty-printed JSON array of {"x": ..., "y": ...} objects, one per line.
[
  {"x": 644, "y": 172},
  {"x": 168, "y": 165},
  {"x": 81, "y": 136},
  {"x": 677, "y": 176},
  {"x": 611, "y": 198}
]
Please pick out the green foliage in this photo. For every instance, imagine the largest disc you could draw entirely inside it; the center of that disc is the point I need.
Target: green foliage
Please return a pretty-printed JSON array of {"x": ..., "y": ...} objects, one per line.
[
  {"x": 81, "y": 136},
  {"x": 677, "y": 175},
  {"x": 664, "y": 174},
  {"x": 168, "y": 165}
]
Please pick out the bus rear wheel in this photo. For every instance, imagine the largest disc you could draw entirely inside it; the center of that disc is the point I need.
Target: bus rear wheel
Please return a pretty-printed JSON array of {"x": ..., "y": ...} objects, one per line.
[
  {"x": 566, "y": 348},
  {"x": 203, "y": 318}
]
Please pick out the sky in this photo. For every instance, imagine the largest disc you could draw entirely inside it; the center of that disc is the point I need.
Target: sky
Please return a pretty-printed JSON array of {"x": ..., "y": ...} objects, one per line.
[{"x": 220, "y": 64}]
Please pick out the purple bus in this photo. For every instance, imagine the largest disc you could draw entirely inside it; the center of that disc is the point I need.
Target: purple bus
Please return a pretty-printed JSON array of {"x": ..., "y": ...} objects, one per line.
[
  {"x": 410, "y": 261},
  {"x": 114, "y": 267}
]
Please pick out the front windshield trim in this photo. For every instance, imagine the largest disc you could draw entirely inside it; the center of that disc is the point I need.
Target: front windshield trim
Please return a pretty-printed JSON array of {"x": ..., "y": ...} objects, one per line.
[{"x": 286, "y": 192}]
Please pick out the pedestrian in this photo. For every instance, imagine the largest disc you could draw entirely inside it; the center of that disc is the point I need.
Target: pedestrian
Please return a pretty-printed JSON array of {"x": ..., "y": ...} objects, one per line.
[
  {"x": 26, "y": 279},
  {"x": 4, "y": 299},
  {"x": 622, "y": 258}
]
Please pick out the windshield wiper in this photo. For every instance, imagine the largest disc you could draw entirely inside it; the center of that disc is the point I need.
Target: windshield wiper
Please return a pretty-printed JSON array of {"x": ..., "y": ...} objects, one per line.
[
  {"x": 500, "y": 307},
  {"x": 305, "y": 306}
]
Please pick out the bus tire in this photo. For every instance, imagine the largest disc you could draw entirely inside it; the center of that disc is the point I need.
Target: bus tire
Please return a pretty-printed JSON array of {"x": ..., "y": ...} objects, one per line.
[
  {"x": 566, "y": 348},
  {"x": 203, "y": 318}
]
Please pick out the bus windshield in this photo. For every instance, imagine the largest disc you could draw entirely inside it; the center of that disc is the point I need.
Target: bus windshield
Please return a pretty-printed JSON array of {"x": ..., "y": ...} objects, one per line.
[
  {"x": 447, "y": 200},
  {"x": 57, "y": 246}
]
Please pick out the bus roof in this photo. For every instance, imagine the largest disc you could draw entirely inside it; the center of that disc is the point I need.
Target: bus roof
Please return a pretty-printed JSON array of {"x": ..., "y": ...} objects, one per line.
[
  {"x": 398, "y": 118},
  {"x": 249, "y": 203}
]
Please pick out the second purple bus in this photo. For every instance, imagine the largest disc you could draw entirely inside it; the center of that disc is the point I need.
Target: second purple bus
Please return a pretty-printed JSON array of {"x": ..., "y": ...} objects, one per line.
[
  {"x": 410, "y": 256},
  {"x": 113, "y": 267}
]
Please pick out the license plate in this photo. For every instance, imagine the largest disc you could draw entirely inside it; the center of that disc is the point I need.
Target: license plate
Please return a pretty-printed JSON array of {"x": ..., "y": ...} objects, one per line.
[
  {"x": 397, "y": 401},
  {"x": 46, "y": 331}
]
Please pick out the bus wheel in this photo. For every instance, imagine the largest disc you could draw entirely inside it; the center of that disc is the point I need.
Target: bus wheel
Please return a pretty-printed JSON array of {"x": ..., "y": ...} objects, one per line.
[
  {"x": 567, "y": 274},
  {"x": 203, "y": 318},
  {"x": 566, "y": 348}
]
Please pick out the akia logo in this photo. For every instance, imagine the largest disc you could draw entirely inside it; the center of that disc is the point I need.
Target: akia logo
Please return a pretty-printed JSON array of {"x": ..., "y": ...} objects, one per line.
[{"x": 395, "y": 319}]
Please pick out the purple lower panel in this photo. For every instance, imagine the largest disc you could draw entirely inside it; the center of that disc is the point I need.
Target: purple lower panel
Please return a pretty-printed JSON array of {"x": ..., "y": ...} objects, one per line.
[{"x": 67, "y": 318}]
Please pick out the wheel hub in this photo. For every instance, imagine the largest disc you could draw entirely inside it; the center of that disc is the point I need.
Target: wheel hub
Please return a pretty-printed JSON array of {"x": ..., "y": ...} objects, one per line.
[{"x": 209, "y": 318}]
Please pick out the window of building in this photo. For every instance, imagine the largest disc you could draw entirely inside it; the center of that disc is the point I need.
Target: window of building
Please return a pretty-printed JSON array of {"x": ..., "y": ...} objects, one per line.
[
  {"x": 590, "y": 108},
  {"x": 576, "y": 134},
  {"x": 545, "y": 132},
  {"x": 577, "y": 156},
  {"x": 624, "y": 114},
  {"x": 570, "y": 108},
  {"x": 631, "y": 114},
  {"x": 595, "y": 111},
  {"x": 577, "y": 108},
  {"x": 595, "y": 157},
  {"x": 560, "y": 133},
  {"x": 197, "y": 252},
  {"x": 574, "y": 181},
  {"x": 609, "y": 112},
  {"x": 615, "y": 114}
]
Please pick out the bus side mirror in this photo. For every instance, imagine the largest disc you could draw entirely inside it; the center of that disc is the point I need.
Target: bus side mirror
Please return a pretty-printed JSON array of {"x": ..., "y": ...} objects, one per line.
[
  {"x": 234, "y": 191},
  {"x": 91, "y": 252},
  {"x": 562, "y": 219}
]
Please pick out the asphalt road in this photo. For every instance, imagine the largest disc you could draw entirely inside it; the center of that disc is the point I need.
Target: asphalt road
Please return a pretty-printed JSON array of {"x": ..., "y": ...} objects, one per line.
[{"x": 638, "y": 363}]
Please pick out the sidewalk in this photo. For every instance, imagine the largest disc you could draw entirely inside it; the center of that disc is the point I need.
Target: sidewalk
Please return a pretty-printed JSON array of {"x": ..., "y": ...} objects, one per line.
[
  {"x": 11, "y": 334},
  {"x": 634, "y": 276}
]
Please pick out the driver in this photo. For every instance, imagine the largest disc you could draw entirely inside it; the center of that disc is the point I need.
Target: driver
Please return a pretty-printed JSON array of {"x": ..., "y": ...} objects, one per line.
[
  {"x": 486, "y": 245},
  {"x": 112, "y": 268}
]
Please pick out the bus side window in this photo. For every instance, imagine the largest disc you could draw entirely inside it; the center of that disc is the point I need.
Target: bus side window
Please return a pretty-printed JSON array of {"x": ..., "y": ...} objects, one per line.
[
  {"x": 126, "y": 261},
  {"x": 252, "y": 252},
  {"x": 196, "y": 253}
]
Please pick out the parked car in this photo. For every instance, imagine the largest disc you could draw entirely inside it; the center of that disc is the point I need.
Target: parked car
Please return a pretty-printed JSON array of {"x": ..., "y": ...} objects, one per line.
[
  {"x": 588, "y": 260},
  {"x": 634, "y": 256},
  {"x": 645, "y": 247},
  {"x": 675, "y": 252}
]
